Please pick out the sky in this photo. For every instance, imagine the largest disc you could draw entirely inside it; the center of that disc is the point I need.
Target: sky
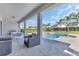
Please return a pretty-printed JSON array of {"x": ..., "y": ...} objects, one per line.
[
  {"x": 31, "y": 21},
  {"x": 53, "y": 15}
]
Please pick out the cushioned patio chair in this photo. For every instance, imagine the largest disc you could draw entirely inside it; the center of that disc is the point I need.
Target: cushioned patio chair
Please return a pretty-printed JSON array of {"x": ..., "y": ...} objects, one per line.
[{"x": 31, "y": 40}]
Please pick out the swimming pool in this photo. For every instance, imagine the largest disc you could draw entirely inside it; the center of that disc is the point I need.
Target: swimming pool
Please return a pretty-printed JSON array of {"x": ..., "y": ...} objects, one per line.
[{"x": 55, "y": 35}]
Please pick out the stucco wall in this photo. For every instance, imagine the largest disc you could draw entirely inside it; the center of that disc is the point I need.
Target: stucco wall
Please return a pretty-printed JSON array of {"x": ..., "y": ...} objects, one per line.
[{"x": 9, "y": 24}]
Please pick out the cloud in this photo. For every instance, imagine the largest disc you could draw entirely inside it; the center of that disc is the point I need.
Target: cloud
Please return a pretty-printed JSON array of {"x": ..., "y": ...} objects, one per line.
[
  {"x": 55, "y": 17},
  {"x": 64, "y": 9},
  {"x": 67, "y": 7},
  {"x": 68, "y": 13},
  {"x": 77, "y": 7}
]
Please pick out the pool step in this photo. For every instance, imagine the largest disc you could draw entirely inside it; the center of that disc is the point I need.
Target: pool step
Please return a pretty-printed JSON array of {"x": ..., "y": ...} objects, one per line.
[{"x": 73, "y": 51}]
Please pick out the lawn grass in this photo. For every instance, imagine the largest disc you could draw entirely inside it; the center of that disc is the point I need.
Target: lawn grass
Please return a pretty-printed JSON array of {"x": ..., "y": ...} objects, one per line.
[
  {"x": 30, "y": 30},
  {"x": 63, "y": 32},
  {"x": 68, "y": 32}
]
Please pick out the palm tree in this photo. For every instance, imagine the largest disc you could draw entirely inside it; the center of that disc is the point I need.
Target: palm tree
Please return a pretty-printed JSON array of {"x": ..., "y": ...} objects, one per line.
[
  {"x": 61, "y": 21},
  {"x": 48, "y": 24},
  {"x": 72, "y": 15},
  {"x": 48, "y": 27},
  {"x": 68, "y": 19},
  {"x": 78, "y": 18}
]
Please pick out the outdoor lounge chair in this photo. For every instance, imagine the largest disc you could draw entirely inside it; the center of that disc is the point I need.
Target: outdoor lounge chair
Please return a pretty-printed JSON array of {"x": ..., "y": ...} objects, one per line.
[{"x": 31, "y": 40}]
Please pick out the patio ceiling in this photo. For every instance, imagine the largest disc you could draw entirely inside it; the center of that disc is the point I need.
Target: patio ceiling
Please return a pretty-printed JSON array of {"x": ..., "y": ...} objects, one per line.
[{"x": 17, "y": 10}]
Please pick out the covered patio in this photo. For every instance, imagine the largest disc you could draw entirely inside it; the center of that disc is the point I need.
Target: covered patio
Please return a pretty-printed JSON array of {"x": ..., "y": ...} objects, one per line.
[{"x": 11, "y": 17}]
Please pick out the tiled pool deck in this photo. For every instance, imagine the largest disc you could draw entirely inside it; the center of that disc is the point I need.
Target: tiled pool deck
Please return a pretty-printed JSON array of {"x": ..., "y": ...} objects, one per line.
[
  {"x": 74, "y": 42},
  {"x": 46, "y": 48}
]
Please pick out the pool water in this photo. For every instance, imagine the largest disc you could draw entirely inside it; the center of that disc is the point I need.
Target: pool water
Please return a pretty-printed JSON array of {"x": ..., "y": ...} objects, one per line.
[{"x": 55, "y": 35}]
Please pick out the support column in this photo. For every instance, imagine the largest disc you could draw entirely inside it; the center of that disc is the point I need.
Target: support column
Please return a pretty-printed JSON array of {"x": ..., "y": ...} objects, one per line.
[
  {"x": 39, "y": 26},
  {"x": 19, "y": 27},
  {"x": 24, "y": 27},
  {"x": 1, "y": 26}
]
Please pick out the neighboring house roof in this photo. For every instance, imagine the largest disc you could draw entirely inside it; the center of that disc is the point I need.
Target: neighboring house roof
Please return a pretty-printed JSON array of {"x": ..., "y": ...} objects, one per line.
[
  {"x": 58, "y": 25},
  {"x": 61, "y": 26}
]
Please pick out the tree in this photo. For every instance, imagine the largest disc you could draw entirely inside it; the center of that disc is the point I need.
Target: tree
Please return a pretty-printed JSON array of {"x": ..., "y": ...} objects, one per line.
[
  {"x": 48, "y": 24},
  {"x": 73, "y": 15},
  {"x": 61, "y": 21},
  {"x": 68, "y": 19},
  {"x": 30, "y": 27},
  {"x": 78, "y": 18},
  {"x": 48, "y": 27}
]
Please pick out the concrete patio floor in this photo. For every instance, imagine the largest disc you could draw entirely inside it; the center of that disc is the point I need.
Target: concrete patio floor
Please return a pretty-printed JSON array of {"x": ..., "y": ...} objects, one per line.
[{"x": 46, "y": 48}]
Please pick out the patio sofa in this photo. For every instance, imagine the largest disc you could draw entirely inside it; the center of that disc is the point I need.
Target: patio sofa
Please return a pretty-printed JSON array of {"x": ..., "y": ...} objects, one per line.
[{"x": 5, "y": 46}]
